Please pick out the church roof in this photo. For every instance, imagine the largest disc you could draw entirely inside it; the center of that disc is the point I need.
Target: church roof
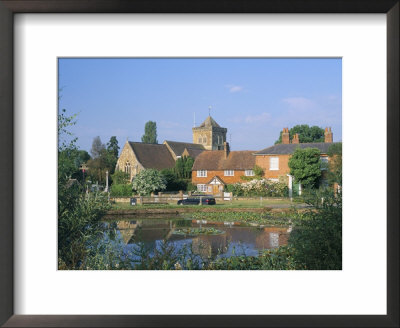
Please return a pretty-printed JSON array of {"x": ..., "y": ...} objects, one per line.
[
  {"x": 215, "y": 160},
  {"x": 209, "y": 121},
  {"x": 152, "y": 156},
  {"x": 178, "y": 147},
  {"x": 284, "y": 149},
  {"x": 194, "y": 152}
]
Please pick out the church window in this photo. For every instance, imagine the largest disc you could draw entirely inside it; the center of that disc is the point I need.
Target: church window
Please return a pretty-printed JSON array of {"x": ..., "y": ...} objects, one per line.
[
  {"x": 128, "y": 168},
  {"x": 200, "y": 139},
  {"x": 202, "y": 173},
  {"x": 204, "y": 140},
  {"x": 229, "y": 173}
]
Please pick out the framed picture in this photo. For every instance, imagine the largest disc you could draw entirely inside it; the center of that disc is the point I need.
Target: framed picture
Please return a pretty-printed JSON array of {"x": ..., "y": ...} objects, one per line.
[{"x": 36, "y": 290}]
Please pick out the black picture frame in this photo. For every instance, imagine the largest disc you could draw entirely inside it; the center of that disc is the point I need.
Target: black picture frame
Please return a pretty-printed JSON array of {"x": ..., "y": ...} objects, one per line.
[{"x": 7, "y": 200}]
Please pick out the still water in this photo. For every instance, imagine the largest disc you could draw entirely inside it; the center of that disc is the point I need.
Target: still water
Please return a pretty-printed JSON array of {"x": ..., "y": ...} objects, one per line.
[{"x": 233, "y": 238}]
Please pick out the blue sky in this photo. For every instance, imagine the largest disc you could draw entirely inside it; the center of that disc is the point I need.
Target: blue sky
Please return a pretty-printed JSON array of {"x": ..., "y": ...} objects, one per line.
[{"x": 253, "y": 98}]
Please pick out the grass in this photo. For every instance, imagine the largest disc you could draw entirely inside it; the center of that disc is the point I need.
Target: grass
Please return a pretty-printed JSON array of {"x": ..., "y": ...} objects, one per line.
[{"x": 248, "y": 203}]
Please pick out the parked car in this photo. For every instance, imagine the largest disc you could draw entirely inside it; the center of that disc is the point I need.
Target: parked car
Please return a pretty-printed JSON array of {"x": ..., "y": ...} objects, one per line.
[{"x": 205, "y": 200}]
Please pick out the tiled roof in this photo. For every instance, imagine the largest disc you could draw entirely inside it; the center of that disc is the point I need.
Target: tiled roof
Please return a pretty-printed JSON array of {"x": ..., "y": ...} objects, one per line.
[
  {"x": 152, "y": 156},
  {"x": 215, "y": 160},
  {"x": 209, "y": 121},
  {"x": 194, "y": 152},
  {"x": 282, "y": 149},
  {"x": 179, "y": 147}
]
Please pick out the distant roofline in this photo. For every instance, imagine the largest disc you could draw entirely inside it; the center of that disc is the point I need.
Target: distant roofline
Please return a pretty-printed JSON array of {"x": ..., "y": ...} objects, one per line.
[{"x": 258, "y": 153}]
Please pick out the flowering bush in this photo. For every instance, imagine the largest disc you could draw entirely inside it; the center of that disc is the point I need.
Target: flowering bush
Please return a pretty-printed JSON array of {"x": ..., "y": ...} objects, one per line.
[
  {"x": 259, "y": 187},
  {"x": 147, "y": 181}
]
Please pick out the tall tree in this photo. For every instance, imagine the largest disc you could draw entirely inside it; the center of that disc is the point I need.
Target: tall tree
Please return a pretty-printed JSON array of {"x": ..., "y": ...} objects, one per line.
[
  {"x": 97, "y": 147},
  {"x": 306, "y": 134},
  {"x": 305, "y": 166},
  {"x": 150, "y": 133},
  {"x": 112, "y": 146}
]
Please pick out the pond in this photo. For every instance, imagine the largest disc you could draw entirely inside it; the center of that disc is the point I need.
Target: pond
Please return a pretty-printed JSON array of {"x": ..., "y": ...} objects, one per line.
[{"x": 205, "y": 238}]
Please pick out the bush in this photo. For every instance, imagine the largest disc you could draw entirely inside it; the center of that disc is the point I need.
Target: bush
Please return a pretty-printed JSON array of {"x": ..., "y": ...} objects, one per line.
[
  {"x": 121, "y": 190},
  {"x": 258, "y": 187},
  {"x": 173, "y": 183},
  {"x": 317, "y": 234},
  {"x": 120, "y": 177},
  {"x": 148, "y": 181}
]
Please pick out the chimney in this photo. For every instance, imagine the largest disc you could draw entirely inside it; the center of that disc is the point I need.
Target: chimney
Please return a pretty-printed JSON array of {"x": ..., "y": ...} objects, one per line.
[
  {"x": 226, "y": 149},
  {"x": 285, "y": 136},
  {"x": 328, "y": 135},
  {"x": 295, "y": 139}
]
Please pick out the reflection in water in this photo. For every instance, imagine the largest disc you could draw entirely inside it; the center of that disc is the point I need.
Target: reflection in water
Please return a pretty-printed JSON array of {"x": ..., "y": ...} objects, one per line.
[{"x": 237, "y": 239}]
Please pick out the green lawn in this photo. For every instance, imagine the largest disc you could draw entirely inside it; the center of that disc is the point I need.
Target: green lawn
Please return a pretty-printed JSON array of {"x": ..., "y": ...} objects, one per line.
[{"x": 251, "y": 203}]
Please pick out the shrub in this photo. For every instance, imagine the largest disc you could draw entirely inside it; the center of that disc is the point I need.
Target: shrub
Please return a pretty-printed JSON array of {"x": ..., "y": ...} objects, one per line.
[
  {"x": 317, "y": 234},
  {"x": 148, "y": 181},
  {"x": 121, "y": 190},
  {"x": 257, "y": 187},
  {"x": 120, "y": 177}
]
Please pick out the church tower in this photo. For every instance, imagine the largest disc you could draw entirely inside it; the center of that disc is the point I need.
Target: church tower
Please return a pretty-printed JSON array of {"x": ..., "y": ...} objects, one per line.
[{"x": 210, "y": 134}]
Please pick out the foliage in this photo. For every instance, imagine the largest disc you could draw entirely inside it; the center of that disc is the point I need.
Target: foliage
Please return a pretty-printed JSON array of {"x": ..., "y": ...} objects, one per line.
[
  {"x": 103, "y": 160},
  {"x": 150, "y": 133},
  {"x": 112, "y": 147},
  {"x": 335, "y": 163},
  {"x": 120, "y": 177},
  {"x": 147, "y": 181},
  {"x": 78, "y": 216},
  {"x": 183, "y": 167},
  {"x": 98, "y": 148},
  {"x": 317, "y": 234},
  {"x": 256, "y": 187},
  {"x": 258, "y": 174},
  {"x": 306, "y": 134},
  {"x": 305, "y": 166},
  {"x": 173, "y": 183},
  {"x": 121, "y": 190},
  {"x": 78, "y": 224},
  {"x": 272, "y": 259},
  {"x": 191, "y": 187}
]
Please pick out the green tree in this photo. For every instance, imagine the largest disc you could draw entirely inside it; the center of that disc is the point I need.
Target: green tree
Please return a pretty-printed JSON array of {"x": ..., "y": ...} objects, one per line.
[
  {"x": 103, "y": 160},
  {"x": 316, "y": 239},
  {"x": 335, "y": 163},
  {"x": 112, "y": 147},
  {"x": 305, "y": 166},
  {"x": 150, "y": 133},
  {"x": 97, "y": 147},
  {"x": 183, "y": 167},
  {"x": 147, "y": 181},
  {"x": 173, "y": 183},
  {"x": 306, "y": 134}
]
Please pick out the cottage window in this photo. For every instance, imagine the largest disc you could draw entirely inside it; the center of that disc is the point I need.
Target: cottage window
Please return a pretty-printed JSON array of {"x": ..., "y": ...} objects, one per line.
[
  {"x": 324, "y": 163},
  {"x": 229, "y": 173},
  {"x": 202, "y": 173},
  {"x": 202, "y": 187},
  {"x": 249, "y": 173},
  {"x": 274, "y": 163}
]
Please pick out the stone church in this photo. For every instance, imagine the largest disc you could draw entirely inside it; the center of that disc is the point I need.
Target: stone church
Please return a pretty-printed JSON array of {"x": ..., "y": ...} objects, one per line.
[{"x": 137, "y": 156}]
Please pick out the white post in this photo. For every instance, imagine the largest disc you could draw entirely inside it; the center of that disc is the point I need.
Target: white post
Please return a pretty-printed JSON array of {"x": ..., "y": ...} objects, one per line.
[
  {"x": 299, "y": 189},
  {"x": 290, "y": 185},
  {"x": 106, "y": 182}
]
